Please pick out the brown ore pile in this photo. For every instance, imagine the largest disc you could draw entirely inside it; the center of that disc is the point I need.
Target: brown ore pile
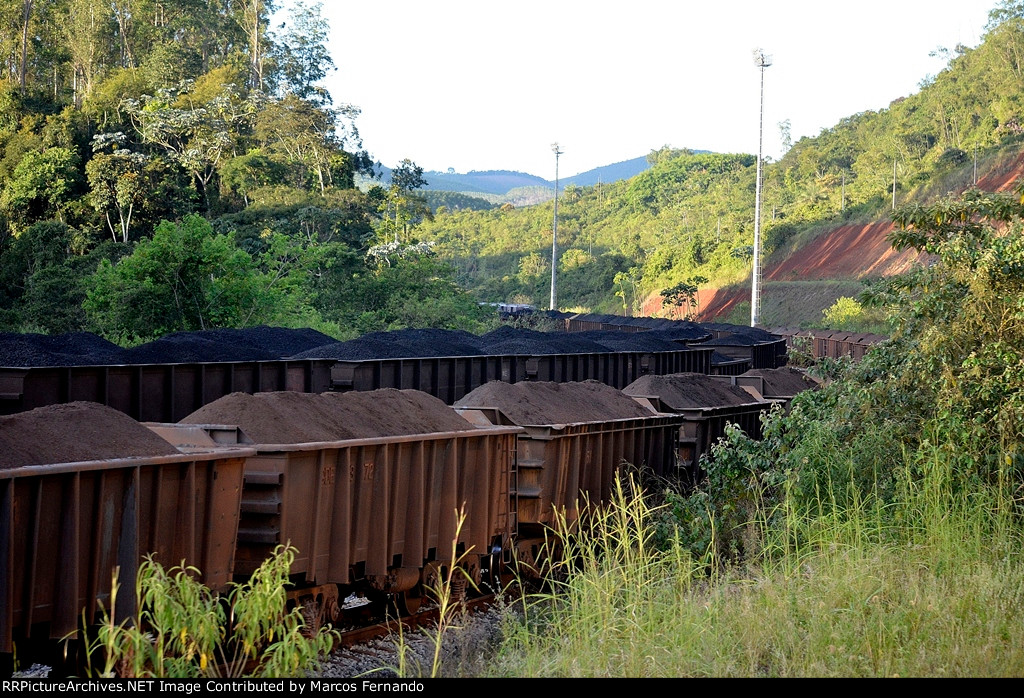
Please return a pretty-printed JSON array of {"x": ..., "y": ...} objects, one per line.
[
  {"x": 685, "y": 390},
  {"x": 289, "y": 417},
  {"x": 72, "y": 432},
  {"x": 533, "y": 403},
  {"x": 785, "y": 381}
]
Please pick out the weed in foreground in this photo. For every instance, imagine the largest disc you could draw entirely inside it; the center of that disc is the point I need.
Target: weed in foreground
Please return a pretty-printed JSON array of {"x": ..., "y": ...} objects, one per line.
[
  {"x": 183, "y": 630},
  {"x": 929, "y": 584}
]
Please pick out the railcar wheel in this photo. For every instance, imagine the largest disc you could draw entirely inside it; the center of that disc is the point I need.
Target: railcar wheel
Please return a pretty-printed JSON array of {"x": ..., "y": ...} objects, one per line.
[
  {"x": 410, "y": 602},
  {"x": 319, "y": 606}
]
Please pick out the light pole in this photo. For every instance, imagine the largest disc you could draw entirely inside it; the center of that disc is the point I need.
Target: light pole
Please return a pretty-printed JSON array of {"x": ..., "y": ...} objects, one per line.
[
  {"x": 554, "y": 228},
  {"x": 762, "y": 61}
]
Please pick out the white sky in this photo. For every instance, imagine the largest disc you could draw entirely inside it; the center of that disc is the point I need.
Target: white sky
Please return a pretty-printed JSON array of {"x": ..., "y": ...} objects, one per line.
[{"x": 491, "y": 84}]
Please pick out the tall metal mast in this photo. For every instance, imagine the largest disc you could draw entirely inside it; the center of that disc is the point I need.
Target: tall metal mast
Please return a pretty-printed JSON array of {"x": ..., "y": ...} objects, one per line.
[
  {"x": 762, "y": 61},
  {"x": 554, "y": 229}
]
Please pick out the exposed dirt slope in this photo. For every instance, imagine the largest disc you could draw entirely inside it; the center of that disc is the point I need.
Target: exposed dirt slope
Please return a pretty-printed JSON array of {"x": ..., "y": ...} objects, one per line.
[{"x": 854, "y": 251}]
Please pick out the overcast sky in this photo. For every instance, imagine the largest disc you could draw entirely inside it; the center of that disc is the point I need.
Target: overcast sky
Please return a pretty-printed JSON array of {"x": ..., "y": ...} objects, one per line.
[{"x": 491, "y": 84}]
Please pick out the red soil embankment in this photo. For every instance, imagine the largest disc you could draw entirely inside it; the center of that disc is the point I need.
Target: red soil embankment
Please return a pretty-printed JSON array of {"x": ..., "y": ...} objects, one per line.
[
  {"x": 853, "y": 251},
  {"x": 1002, "y": 177},
  {"x": 719, "y": 302},
  {"x": 849, "y": 251}
]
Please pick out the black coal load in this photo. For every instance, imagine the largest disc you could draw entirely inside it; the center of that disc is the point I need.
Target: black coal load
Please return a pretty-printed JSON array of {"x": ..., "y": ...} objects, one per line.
[
  {"x": 658, "y": 323},
  {"x": 72, "y": 349},
  {"x": 189, "y": 347},
  {"x": 615, "y": 340},
  {"x": 399, "y": 344},
  {"x": 743, "y": 335},
  {"x": 435, "y": 342},
  {"x": 360, "y": 349},
  {"x": 557, "y": 315},
  {"x": 739, "y": 340},
  {"x": 510, "y": 340},
  {"x": 683, "y": 331},
  {"x": 281, "y": 341},
  {"x": 227, "y": 345}
]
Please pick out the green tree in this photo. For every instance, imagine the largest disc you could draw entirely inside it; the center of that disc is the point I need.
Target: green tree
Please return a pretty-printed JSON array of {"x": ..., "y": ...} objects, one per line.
[
  {"x": 305, "y": 137},
  {"x": 399, "y": 287},
  {"x": 185, "y": 278},
  {"x": 684, "y": 296},
  {"x": 118, "y": 182},
  {"x": 254, "y": 18},
  {"x": 43, "y": 185},
  {"x": 301, "y": 56},
  {"x": 197, "y": 124},
  {"x": 398, "y": 206},
  {"x": 244, "y": 173}
]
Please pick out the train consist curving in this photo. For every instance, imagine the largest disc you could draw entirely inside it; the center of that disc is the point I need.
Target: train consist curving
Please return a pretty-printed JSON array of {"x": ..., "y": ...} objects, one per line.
[
  {"x": 832, "y": 344},
  {"x": 379, "y": 459}
]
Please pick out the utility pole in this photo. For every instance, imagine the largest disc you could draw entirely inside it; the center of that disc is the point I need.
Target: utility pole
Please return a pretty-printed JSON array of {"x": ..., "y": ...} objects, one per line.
[
  {"x": 554, "y": 229},
  {"x": 894, "y": 184},
  {"x": 762, "y": 61}
]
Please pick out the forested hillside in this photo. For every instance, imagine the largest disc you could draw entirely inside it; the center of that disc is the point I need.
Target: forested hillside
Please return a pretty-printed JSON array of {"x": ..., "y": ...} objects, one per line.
[
  {"x": 690, "y": 217},
  {"x": 178, "y": 165}
]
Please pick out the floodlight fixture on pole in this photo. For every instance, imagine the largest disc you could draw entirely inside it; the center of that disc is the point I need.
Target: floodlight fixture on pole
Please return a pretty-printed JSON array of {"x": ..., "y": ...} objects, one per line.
[
  {"x": 554, "y": 228},
  {"x": 762, "y": 60}
]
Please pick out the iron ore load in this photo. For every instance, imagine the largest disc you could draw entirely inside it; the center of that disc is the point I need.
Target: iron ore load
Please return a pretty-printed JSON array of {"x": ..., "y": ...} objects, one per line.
[
  {"x": 575, "y": 438},
  {"x": 171, "y": 377},
  {"x": 85, "y": 490},
  {"x": 705, "y": 405},
  {"x": 214, "y": 448},
  {"x": 374, "y": 489}
]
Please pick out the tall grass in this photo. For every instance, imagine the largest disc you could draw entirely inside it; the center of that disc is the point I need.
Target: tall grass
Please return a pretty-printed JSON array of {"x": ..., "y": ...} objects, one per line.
[{"x": 931, "y": 584}]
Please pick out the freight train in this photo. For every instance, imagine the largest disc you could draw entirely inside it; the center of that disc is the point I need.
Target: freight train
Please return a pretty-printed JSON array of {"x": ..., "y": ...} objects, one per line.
[{"x": 378, "y": 470}]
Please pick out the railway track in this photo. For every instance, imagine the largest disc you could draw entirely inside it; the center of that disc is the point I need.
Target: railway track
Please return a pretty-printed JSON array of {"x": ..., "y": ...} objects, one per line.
[
  {"x": 425, "y": 618},
  {"x": 367, "y": 494}
]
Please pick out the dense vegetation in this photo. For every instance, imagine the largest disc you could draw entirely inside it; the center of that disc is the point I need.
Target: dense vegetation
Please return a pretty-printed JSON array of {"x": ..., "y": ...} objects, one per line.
[
  {"x": 191, "y": 131},
  {"x": 178, "y": 166},
  {"x": 876, "y": 530},
  {"x": 691, "y": 215}
]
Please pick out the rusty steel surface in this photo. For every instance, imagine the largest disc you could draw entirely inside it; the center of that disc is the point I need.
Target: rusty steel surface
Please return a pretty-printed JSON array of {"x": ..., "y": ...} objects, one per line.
[
  {"x": 155, "y": 392},
  {"x": 451, "y": 378},
  {"x": 830, "y": 343},
  {"x": 369, "y": 508},
  {"x": 65, "y": 528},
  {"x": 561, "y": 465}
]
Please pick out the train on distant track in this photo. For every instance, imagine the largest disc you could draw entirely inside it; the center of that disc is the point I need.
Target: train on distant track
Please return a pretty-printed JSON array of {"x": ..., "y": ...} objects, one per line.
[{"x": 378, "y": 470}]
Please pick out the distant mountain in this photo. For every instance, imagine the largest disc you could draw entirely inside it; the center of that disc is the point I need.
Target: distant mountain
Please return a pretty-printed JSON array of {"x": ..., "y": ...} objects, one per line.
[
  {"x": 609, "y": 173},
  {"x": 496, "y": 182},
  {"x": 500, "y": 182},
  {"x": 486, "y": 182},
  {"x": 518, "y": 188}
]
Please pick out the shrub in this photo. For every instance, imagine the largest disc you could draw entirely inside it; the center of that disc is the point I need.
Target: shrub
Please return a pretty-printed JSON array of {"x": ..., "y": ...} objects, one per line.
[{"x": 183, "y": 630}]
